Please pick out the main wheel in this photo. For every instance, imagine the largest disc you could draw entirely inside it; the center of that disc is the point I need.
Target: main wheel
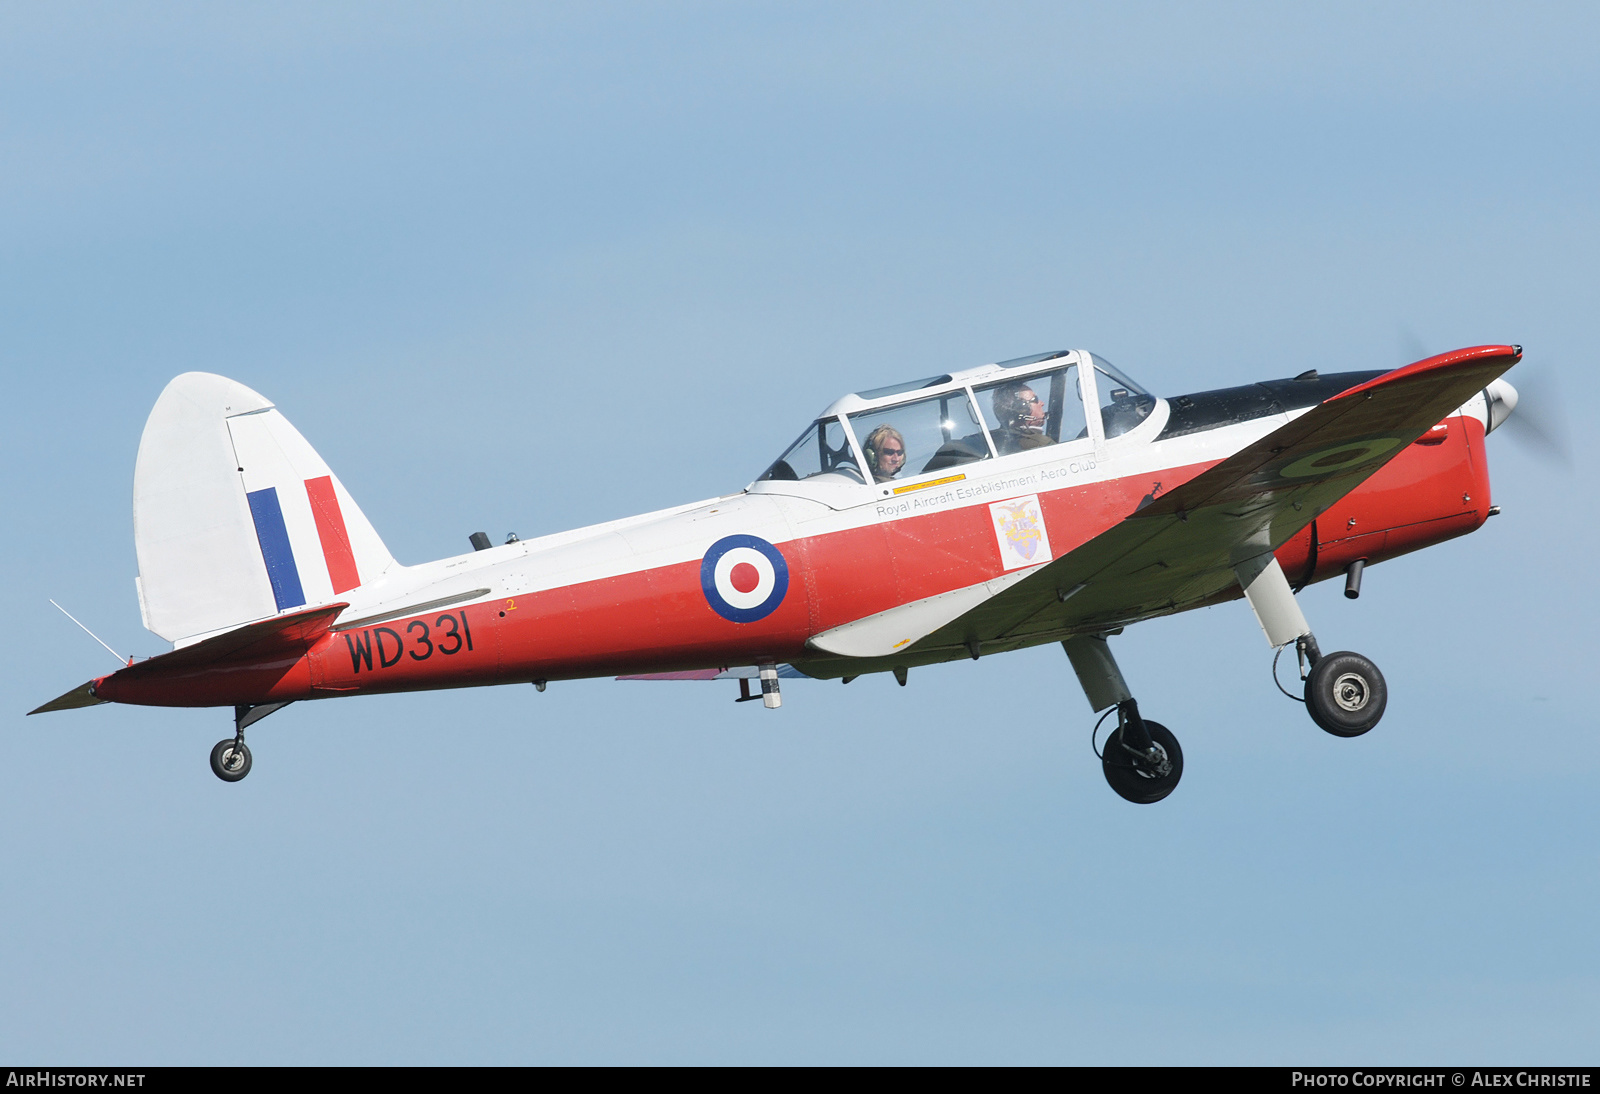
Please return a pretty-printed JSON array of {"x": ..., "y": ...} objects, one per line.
[
  {"x": 229, "y": 761},
  {"x": 1345, "y": 694},
  {"x": 1132, "y": 779}
]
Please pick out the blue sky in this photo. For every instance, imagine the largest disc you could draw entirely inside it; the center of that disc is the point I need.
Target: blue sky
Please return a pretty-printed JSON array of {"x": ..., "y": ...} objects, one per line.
[{"x": 518, "y": 268}]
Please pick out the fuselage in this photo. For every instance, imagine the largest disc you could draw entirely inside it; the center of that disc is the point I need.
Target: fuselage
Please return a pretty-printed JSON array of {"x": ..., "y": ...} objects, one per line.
[{"x": 666, "y": 591}]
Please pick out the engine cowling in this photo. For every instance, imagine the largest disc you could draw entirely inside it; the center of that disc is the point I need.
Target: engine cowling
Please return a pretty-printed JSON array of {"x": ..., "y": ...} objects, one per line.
[{"x": 1436, "y": 489}]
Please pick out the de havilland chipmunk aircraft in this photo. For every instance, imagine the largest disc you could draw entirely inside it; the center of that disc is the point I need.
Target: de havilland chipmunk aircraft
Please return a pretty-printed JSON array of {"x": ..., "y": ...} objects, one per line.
[{"x": 1042, "y": 499}]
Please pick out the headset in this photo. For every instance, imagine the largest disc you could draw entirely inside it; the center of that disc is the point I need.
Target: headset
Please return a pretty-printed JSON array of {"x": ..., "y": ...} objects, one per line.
[{"x": 1009, "y": 407}]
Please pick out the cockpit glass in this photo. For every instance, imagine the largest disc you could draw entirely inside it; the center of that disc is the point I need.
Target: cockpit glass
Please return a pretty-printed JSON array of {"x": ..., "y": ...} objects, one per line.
[
  {"x": 900, "y": 389},
  {"x": 1032, "y": 359},
  {"x": 1041, "y": 410},
  {"x": 902, "y": 442},
  {"x": 821, "y": 450},
  {"x": 1123, "y": 403}
]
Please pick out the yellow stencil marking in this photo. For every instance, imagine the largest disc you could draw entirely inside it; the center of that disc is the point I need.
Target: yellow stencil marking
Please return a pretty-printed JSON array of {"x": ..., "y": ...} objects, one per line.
[{"x": 924, "y": 485}]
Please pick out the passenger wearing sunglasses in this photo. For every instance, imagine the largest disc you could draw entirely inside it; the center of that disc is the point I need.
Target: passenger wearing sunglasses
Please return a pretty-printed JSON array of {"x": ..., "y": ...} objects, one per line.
[{"x": 885, "y": 450}]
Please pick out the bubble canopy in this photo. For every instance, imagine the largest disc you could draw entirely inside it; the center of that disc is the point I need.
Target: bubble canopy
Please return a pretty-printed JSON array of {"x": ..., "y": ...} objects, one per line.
[{"x": 903, "y": 432}]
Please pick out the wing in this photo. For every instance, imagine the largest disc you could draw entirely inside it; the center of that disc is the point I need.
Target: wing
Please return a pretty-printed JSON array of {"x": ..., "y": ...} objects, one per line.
[{"x": 1180, "y": 550}]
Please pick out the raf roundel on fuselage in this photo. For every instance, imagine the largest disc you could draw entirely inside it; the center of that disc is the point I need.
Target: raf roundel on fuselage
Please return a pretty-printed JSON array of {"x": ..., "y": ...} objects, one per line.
[{"x": 744, "y": 578}]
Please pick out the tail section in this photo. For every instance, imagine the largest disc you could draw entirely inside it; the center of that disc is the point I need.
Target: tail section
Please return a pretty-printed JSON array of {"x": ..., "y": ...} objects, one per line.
[{"x": 235, "y": 516}]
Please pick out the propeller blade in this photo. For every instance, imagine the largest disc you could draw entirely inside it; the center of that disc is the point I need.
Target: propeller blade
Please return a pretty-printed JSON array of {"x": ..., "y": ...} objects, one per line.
[
  {"x": 1412, "y": 347},
  {"x": 1539, "y": 422}
]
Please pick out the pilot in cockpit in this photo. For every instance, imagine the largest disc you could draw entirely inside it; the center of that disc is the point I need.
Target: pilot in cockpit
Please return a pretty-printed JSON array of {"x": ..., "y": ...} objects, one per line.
[
  {"x": 885, "y": 450},
  {"x": 1021, "y": 416}
]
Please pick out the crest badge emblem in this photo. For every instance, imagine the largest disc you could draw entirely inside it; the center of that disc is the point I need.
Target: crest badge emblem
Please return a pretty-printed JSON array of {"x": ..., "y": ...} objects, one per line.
[{"x": 1019, "y": 530}]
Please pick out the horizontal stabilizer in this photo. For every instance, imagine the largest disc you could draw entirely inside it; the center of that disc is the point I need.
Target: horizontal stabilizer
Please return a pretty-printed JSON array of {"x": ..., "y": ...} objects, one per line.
[
  {"x": 282, "y": 632},
  {"x": 296, "y": 631},
  {"x": 80, "y": 696}
]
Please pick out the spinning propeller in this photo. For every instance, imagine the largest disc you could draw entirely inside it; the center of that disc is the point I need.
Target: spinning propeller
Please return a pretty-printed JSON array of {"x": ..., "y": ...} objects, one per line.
[{"x": 1540, "y": 423}]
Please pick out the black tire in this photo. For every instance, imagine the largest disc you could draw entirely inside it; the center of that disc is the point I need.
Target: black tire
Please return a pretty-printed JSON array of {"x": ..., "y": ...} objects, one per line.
[
  {"x": 230, "y": 762},
  {"x": 1346, "y": 694},
  {"x": 1134, "y": 783}
]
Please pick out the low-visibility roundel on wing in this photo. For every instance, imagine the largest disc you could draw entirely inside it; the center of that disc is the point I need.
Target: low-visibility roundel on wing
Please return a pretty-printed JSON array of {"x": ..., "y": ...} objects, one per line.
[
  {"x": 1339, "y": 457},
  {"x": 744, "y": 578}
]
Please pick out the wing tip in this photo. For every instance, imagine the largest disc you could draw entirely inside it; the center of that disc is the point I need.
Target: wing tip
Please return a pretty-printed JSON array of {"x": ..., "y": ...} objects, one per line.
[{"x": 1438, "y": 362}]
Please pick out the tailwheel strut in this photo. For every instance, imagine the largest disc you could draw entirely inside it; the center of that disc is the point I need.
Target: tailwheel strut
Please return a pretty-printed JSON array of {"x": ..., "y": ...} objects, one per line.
[{"x": 230, "y": 757}]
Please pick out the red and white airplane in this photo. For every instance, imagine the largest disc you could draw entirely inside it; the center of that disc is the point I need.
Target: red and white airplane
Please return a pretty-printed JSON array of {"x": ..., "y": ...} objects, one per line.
[{"x": 1043, "y": 499}]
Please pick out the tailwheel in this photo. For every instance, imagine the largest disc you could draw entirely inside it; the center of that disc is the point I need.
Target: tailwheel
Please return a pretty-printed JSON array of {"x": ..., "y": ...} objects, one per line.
[
  {"x": 1142, "y": 775},
  {"x": 230, "y": 759},
  {"x": 1345, "y": 694}
]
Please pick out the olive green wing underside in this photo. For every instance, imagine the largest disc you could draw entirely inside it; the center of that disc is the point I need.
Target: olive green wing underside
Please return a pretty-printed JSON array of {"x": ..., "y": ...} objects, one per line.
[{"x": 1179, "y": 550}]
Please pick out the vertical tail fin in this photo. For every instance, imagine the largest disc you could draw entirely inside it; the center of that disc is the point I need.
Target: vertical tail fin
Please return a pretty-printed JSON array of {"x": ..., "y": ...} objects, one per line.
[{"x": 236, "y": 517}]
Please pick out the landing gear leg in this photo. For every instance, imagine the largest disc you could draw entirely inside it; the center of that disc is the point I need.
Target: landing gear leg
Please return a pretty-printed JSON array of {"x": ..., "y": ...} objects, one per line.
[
  {"x": 1141, "y": 759},
  {"x": 1345, "y": 693}
]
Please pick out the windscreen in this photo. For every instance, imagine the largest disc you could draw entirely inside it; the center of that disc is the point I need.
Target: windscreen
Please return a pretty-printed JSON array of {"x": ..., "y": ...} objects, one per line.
[
  {"x": 1123, "y": 403},
  {"x": 821, "y": 450}
]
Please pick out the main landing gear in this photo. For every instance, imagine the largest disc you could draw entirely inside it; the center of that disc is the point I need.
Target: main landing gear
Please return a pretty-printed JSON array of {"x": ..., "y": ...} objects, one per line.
[
  {"x": 230, "y": 757},
  {"x": 1345, "y": 693},
  {"x": 1141, "y": 759}
]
